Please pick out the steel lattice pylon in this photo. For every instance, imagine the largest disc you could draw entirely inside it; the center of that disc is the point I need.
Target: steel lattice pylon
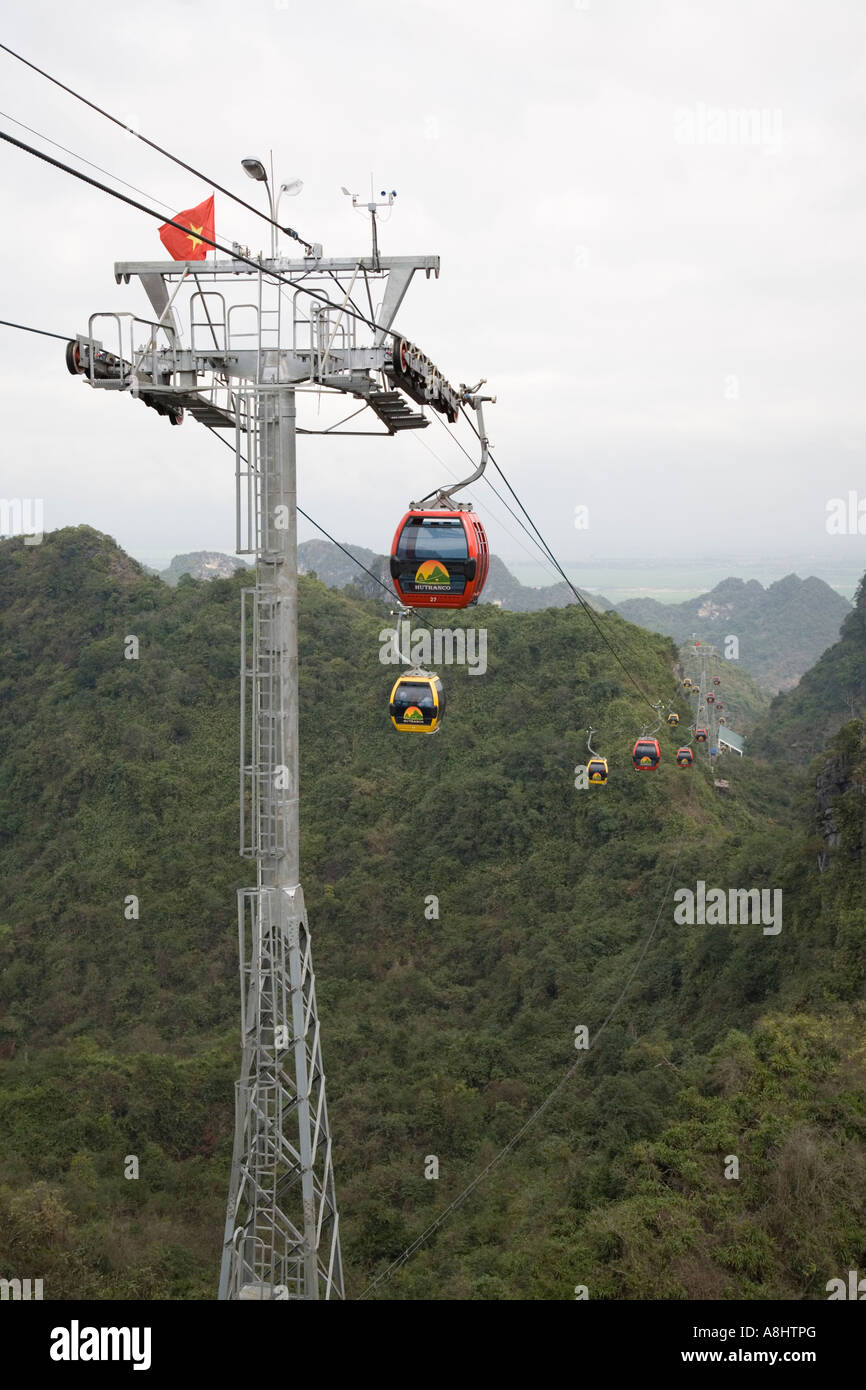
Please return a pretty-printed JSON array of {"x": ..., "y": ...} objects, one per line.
[
  {"x": 282, "y": 1229},
  {"x": 240, "y": 371}
]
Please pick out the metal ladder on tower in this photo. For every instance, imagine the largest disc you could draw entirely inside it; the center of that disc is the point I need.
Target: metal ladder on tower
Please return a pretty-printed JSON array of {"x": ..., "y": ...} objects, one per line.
[{"x": 282, "y": 1228}]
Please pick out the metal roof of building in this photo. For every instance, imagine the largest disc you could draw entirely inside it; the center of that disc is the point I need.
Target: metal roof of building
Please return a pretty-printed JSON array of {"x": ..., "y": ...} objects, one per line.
[{"x": 731, "y": 740}]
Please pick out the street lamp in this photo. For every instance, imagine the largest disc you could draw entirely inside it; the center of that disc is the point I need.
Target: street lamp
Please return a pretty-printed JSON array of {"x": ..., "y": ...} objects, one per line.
[{"x": 255, "y": 169}]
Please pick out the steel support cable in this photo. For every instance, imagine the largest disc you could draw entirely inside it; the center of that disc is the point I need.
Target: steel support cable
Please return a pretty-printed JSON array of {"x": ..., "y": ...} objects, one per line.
[
  {"x": 289, "y": 231},
  {"x": 545, "y": 1104},
  {"x": 471, "y": 490},
  {"x": 256, "y": 265},
  {"x": 541, "y": 546},
  {"x": 541, "y": 542},
  {"x": 547, "y": 550},
  {"x": 496, "y": 494},
  {"x": 547, "y": 555},
  {"x": 499, "y": 498},
  {"x": 282, "y": 279},
  {"x": 394, "y": 597},
  {"x": 89, "y": 162},
  {"x": 537, "y": 540},
  {"x": 413, "y": 612},
  {"x": 25, "y": 328},
  {"x": 390, "y": 593}
]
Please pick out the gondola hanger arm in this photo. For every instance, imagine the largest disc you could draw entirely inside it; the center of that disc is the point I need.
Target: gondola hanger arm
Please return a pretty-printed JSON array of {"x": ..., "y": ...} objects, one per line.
[
  {"x": 648, "y": 733},
  {"x": 476, "y": 402}
]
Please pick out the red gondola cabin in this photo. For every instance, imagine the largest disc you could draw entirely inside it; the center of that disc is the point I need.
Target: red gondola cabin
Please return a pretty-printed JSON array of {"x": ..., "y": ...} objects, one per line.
[
  {"x": 685, "y": 757},
  {"x": 646, "y": 754},
  {"x": 439, "y": 559},
  {"x": 701, "y": 735}
]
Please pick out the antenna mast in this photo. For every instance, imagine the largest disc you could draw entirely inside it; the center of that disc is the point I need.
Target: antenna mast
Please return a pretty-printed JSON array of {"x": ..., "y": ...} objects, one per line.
[{"x": 386, "y": 200}]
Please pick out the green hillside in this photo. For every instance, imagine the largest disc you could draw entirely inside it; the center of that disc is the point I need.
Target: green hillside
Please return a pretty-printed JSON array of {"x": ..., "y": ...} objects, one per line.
[
  {"x": 744, "y": 700},
  {"x": 440, "y": 1036},
  {"x": 781, "y": 630},
  {"x": 800, "y": 722},
  {"x": 335, "y": 568}
]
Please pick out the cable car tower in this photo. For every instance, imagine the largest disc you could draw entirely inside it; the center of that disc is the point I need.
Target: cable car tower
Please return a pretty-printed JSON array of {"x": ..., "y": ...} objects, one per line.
[{"x": 231, "y": 342}]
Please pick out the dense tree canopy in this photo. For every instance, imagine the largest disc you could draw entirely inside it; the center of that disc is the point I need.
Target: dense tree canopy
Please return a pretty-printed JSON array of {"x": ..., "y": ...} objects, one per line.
[{"x": 441, "y": 1035}]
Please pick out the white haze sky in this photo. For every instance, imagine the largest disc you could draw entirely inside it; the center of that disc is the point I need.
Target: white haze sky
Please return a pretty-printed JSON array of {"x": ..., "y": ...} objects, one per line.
[{"x": 674, "y": 330}]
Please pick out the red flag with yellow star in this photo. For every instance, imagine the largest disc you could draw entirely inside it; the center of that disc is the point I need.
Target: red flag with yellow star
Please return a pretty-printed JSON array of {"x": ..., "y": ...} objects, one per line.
[{"x": 188, "y": 246}]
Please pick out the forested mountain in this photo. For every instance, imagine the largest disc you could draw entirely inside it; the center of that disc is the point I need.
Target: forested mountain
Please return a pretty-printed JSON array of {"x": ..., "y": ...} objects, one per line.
[
  {"x": 502, "y": 588},
  {"x": 335, "y": 569},
  {"x": 743, "y": 699},
  {"x": 201, "y": 564},
  {"x": 440, "y": 1036},
  {"x": 781, "y": 630},
  {"x": 800, "y": 721}
]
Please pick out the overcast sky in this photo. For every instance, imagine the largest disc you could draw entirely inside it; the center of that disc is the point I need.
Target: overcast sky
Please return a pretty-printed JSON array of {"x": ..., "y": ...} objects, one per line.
[{"x": 665, "y": 292}]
